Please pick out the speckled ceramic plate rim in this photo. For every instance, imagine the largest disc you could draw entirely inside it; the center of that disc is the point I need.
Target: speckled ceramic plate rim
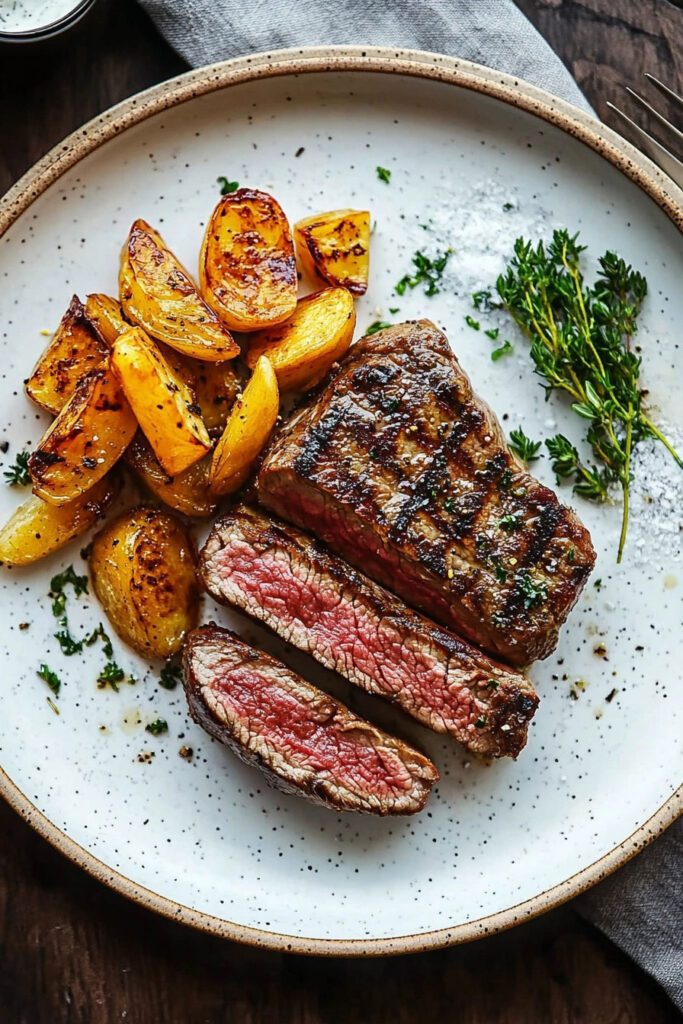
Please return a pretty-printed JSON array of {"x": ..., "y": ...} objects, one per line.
[{"x": 437, "y": 67}]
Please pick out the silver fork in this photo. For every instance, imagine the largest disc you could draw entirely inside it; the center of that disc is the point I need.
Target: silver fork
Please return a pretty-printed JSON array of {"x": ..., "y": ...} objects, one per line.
[{"x": 669, "y": 163}]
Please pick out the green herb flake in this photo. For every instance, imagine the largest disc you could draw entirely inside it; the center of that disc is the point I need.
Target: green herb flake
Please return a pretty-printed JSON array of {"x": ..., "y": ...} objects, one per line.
[
  {"x": 99, "y": 634},
  {"x": 500, "y": 573},
  {"x": 471, "y": 322},
  {"x": 482, "y": 300},
  {"x": 492, "y": 684},
  {"x": 393, "y": 309},
  {"x": 480, "y": 722},
  {"x": 503, "y": 350},
  {"x": 492, "y": 333},
  {"x": 383, "y": 174},
  {"x": 534, "y": 592},
  {"x": 508, "y": 206},
  {"x": 428, "y": 272},
  {"x": 505, "y": 481},
  {"x": 227, "y": 186},
  {"x": 581, "y": 345},
  {"x": 69, "y": 576},
  {"x": 18, "y": 475},
  {"x": 157, "y": 727},
  {"x": 523, "y": 446},
  {"x": 510, "y": 522},
  {"x": 51, "y": 678},
  {"x": 597, "y": 584},
  {"x": 111, "y": 675},
  {"x": 378, "y": 325},
  {"x": 170, "y": 676},
  {"x": 69, "y": 646}
]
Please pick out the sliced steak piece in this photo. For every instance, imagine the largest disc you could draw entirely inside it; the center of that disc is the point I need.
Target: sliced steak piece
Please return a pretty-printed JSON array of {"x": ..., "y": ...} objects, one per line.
[
  {"x": 302, "y": 739},
  {"x": 317, "y": 602},
  {"x": 401, "y": 469}
]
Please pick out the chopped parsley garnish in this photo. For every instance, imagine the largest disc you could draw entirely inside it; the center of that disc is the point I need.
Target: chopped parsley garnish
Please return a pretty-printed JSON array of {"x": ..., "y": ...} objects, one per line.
[
  {"x": 492, "y": 333},
  {"x": 393, "y": 309},
  {"x": 170, "y": 676},
  {"x": 378, "y": 325},
  {"x": 505, "y": 480},
  {"x": 597, "y": 584},
  {"x": 534, "y": 592},
  {"x": 68, "y": 645},
  {"x": 480, "y": 722},
  {"x": 99, "y": 633},
  {"x": 51, "y": 678},
  {"x": 79, "y": 583},
  {"x": 502, "y": 350},
  {"x": 523, "y": 446},
  {"x": 508, "y": 206},
  {"x": 471, "y": 322},
  {"x": 111, "y": 675},
  {"x": 383, "y": 174},
  {"x": 427, "y": 271},
  {"x": 492, "y": 684},
  {"x": 227, "y": 186},
  {"x": 501, "y": 574},
  {"x": 510, "y": 522},
  {"x": 157, "y": 727},
  {"x": 482, "y": 300},
  {"x": 17, "y": 475}
]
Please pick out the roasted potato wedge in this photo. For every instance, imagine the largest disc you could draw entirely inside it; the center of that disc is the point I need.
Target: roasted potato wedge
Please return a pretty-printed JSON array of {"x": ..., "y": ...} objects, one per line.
[
  {"x": 214, "y": 386},
  {"x": 37, "y": 529},
  {"x": 163, "y": 404},
  {"x": 247, "y": 268},
  {"x": 157, "y": 293},
  {"x": 143, "y": 571},
  {"x": 106, "y": 315},
  {"x": 302, "y": 350},
  {"x": 335, "y": 246},
  {"x": 74, "y": 351},
  {"x": 89, "y": 436},
  {"x": 187, "y": 493},
  {"x": 248, "y": 428}
]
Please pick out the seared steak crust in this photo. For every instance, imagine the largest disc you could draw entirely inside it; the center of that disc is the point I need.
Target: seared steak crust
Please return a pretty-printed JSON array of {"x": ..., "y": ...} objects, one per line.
[
  {"x": 400, "y": 468},
  {"x": 302, "y": 739},
  {"x": 317, "y": 602}
]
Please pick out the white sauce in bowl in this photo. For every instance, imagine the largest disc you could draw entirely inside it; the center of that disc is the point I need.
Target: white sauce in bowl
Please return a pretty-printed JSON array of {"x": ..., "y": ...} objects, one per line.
[{"x": 28, "y": 15}]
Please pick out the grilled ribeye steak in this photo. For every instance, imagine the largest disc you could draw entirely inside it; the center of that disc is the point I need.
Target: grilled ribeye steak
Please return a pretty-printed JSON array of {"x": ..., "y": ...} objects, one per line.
[
  {"x": 317, "y": 602},
  {"x": 302, "y": 739},
  {"x": 402, "y": 470}
]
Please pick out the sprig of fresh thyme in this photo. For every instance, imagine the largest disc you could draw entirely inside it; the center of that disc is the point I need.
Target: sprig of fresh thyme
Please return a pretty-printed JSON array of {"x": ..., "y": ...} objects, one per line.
[{"x": 581, "y": 345}]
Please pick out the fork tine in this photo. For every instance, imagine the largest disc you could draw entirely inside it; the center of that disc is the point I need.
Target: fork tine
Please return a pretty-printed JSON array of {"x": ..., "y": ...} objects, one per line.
[
  {"x": 665, "y": 90},
  {"x": 655, "y": 113},
  {"x": 660, "y": 154}
]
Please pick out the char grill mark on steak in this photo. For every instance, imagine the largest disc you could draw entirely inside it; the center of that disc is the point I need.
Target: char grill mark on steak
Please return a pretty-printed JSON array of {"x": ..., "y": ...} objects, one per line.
[
  {"x": 301, "y": 738},
  {"x": 312, "y": 599},
  {"x": 400, "y": 468}
]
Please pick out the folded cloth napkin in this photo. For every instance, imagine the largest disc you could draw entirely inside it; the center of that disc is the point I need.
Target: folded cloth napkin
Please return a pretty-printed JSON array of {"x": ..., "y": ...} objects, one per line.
[{"x": 640, "y": 908}]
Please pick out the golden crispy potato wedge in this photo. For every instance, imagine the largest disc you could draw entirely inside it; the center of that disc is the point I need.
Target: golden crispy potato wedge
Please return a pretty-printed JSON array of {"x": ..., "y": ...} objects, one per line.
[
  {"x": 165, "y": 408},
  {"x": 157, "y": 293},
  {"x": 74, "y": 351},
  {"x": 214, "y": 386},
  {"x": 187, "y": 493},
  {"x": 37, "y": 529},
  {"x": 248, "y": 428},
  {"x": 88, "y": 437},
  {"x": 143, "y": 572},
  {"x": 106, "y": 316},
  {"x": 302, "y": 350},
  {"x": 336, "y": 247},
  {"x": 247, "y": 268}
]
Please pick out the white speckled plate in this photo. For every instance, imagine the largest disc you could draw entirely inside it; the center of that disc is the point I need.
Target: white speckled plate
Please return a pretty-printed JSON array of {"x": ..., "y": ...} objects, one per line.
[{"x": 476, "y": 158}]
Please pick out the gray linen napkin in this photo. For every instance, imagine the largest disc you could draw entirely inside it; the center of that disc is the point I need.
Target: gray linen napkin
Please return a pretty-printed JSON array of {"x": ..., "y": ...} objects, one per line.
[{"x": 641, "y": 907}]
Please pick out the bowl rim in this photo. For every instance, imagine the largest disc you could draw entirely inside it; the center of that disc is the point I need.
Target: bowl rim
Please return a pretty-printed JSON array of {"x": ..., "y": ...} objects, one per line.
[
  {"x": 455, "y": 71},
  {"x": 50, "y": 28}
]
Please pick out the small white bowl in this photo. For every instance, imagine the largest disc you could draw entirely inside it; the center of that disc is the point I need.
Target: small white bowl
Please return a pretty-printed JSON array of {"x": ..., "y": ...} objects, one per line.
[{"x": 48, "y": 20}]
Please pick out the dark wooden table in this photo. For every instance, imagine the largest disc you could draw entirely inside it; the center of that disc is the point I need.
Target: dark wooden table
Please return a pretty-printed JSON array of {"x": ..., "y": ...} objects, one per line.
[{"x": 72, "y": 952}]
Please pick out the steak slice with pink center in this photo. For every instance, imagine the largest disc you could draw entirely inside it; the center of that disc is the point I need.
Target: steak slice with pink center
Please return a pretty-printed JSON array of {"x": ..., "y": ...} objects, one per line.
[
  {"x": 304, "y": 741},
  {"x": 314, "y": 600}
]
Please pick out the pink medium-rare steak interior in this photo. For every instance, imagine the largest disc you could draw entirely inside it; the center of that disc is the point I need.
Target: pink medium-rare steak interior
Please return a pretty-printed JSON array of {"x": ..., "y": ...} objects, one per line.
[
  {"x": 306, "y": 741},
  {"x": 405, "y": 472},
  {"x": 315, "y": 601}
]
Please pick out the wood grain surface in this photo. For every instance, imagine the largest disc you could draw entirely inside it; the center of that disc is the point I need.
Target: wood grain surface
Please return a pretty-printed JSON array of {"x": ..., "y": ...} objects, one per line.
[{"x": 71, "y": 952}]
